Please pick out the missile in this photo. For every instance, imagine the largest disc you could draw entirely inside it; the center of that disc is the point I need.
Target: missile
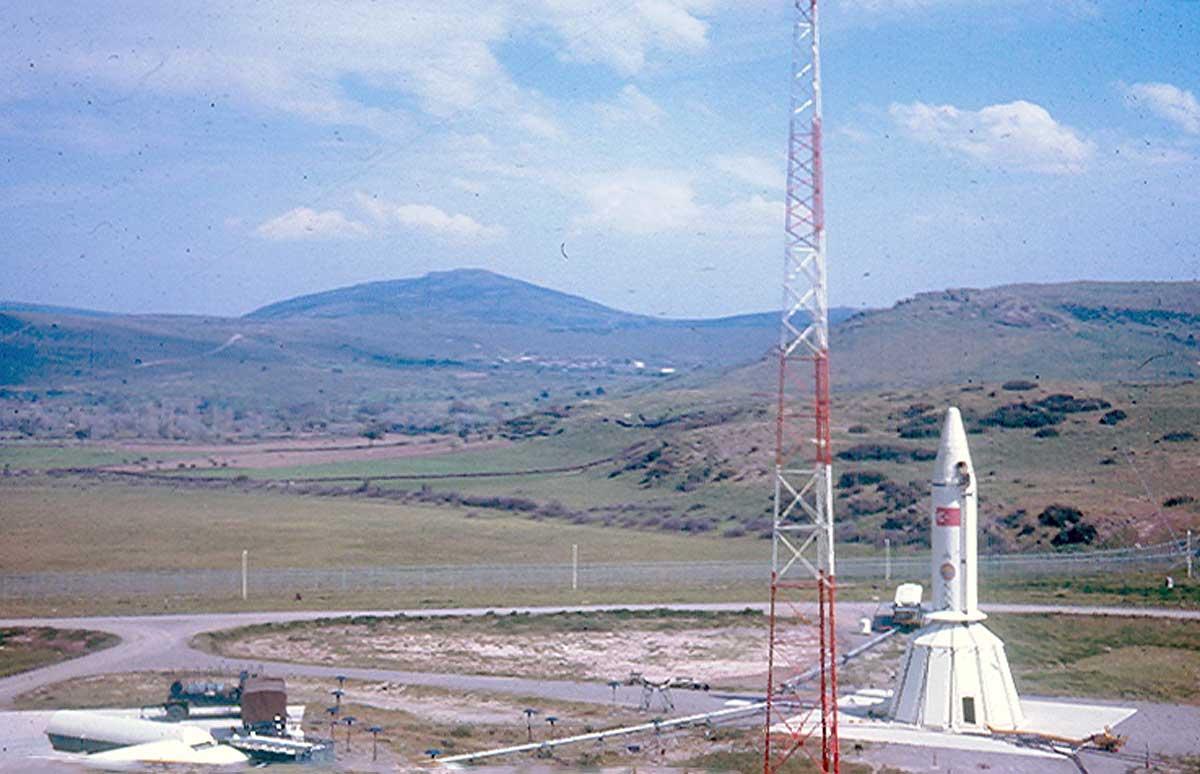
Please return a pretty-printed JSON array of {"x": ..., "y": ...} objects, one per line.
[{"x": 954, "y": 521}]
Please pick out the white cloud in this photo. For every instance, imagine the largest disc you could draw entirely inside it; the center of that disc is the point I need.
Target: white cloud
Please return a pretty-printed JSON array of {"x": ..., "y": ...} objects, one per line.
[
  {"x": 540, "y": 127},
  {"x": 428, "y": 218},
  {"x": 443, "y": 53},
  {"x": 305, "y": 223},
  {"x": 591, "y": 32},
  {"x": 631, "y": 104},
  {"x": 644, "y": 201},
  {"x": 1164, "y": 100},
  {"x": 752, "y": 170},
  {"x": 639, "y": 201},
  {"x": 1079, "y": 8},
  {"x": 1021, "y": 134}
]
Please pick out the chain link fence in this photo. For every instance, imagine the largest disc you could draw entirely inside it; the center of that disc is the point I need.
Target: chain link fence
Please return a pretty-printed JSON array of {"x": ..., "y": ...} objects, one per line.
[{"x": 215, "y": 583}]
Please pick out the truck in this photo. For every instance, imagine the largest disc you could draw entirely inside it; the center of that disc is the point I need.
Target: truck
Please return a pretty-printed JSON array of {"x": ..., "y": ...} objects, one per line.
[{"x": 906, "y": 605}]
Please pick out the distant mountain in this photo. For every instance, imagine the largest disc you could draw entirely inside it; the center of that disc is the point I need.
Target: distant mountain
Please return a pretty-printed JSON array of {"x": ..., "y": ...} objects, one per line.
[
  {"x": 403, "y": 349},
  {"x": 462, "y": 294},
  {"x": 20, "y": 306},
  {"x": 477, "y": 345},
  {"x": 1095, "y": 331}
]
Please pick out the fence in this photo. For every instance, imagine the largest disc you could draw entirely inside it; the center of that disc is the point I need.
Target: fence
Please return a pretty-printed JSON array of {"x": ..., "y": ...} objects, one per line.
[{"x": 214, "y": 583}]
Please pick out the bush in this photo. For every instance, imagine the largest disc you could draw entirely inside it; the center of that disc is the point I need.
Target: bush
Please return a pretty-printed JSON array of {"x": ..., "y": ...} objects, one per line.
[
  {"x": 855, "y": 478},
  {"x": 1076, "y": 534},
  {"x": 1172, "y": 502},
  {"x": 857, "y": 429},
  {"x": 1179, "y": 436},
  {"x": 1019, "y": 385},
  {"x": 1046, "y": 432},
  {"x": 883, "y": 452},
  {"x": 1022, "y": 415},
  {"x": 1059, "y": 516},
  {"x": 1065, "y": 403},
  {"x": 1113, "y": 417}
]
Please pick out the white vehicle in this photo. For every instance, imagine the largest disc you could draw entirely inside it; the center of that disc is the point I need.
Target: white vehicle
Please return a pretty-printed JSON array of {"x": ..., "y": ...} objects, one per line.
[{"x": 906, "y": 606}]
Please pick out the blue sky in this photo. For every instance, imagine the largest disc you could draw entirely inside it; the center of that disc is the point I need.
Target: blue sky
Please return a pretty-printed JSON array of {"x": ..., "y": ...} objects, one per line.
[{"x": 213, "y": 157}]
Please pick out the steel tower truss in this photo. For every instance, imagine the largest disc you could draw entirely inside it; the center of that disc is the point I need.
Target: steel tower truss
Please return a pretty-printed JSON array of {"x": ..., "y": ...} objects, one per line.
[{"x": 802, "y": 551}]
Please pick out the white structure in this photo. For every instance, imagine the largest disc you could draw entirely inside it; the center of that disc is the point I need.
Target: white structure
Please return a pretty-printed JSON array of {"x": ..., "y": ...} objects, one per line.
[{"x": 955, "y": 675}]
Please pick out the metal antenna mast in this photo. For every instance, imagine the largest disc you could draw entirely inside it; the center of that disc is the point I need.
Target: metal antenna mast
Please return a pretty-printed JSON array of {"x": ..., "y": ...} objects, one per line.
[{"x": 802, "y": 548}]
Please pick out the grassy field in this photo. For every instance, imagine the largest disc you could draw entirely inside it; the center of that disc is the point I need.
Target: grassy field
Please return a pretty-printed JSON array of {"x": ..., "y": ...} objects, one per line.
[
  {"x": 28, "y": 647},
  {"x": 80, "y": 525},
  {"x": 1101, "y": 657}
]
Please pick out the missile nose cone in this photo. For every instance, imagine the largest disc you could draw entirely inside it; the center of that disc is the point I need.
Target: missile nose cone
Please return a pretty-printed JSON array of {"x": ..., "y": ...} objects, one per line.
[{"x": 952, "y": 449}]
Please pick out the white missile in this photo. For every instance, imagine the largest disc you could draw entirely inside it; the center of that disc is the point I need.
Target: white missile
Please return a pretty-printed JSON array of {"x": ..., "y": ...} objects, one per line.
[
  {"x": 953, "y": 523},
  {"x": 955, "y": 673}
]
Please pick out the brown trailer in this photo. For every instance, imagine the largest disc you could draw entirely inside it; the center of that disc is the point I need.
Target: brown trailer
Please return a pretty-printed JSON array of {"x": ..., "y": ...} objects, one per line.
[{"x": 264, "y": 700}]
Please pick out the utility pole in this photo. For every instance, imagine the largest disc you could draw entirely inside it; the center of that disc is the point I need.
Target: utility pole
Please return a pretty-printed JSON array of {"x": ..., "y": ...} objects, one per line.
[
  {"x": 887, "y": 560},
  {"x": 802, "y": 546},
  {"x": 574, "y": 567},
  {"x": 245, "y": 567},
  {"x": 1190, "y": 553}
]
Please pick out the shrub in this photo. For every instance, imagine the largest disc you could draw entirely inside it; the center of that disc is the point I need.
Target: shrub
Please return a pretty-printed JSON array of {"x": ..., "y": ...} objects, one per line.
[
  {"x": 1065, "y": 403},
  {"x": 1019, "y": 385},
  {"x": 1022, "y": 415},
  {"x": 1179, "y": 436},
  {"x": 1059, "y": 516},
  {"x": 885, "y": 453},
  {"x": 1046, "y": 432},
  {"x": 1177, "y": 500},
  {"x": 1076, "y": 534},
  {"x": 857, "y": 429},
  {"x": 854, "y": 478},
  {"x": 1113, "y": 417}
]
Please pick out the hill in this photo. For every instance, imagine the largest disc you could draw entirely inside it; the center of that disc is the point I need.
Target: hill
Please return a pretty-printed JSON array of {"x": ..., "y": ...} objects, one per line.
[
  {"x": 463, "y": 294},
  {"x": 1093, "y": 331},
  {"x": 401, "y": 352},
  {"x": 465, "y": 349}
]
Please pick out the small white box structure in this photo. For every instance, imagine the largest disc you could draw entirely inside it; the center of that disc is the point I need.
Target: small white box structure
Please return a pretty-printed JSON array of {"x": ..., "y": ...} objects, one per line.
[{"x": 955, "y": 674}]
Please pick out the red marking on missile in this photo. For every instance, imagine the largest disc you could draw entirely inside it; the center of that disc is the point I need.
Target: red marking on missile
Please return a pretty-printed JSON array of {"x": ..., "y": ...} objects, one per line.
[{"x": 947, "y": 517}]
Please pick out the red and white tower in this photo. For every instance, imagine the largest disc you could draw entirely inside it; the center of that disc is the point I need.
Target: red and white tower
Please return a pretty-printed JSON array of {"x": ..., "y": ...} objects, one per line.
[{"x": 802, "y": 550}]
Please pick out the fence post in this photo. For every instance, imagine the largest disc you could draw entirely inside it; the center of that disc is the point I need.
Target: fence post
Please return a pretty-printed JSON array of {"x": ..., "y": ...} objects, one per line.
[
  {"x": 1189, "y": 553},
  {"x": 575, "y": 566},
  {"x": 245, "y": 557},
  {"x": 887, "y": 560}
]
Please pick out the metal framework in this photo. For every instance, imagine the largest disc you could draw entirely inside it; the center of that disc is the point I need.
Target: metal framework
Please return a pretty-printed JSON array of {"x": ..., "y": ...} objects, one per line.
[{"x": 802, "y": 548}]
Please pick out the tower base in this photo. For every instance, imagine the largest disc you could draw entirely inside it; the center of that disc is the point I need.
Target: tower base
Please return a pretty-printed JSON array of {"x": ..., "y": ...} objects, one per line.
[{"x": 955, "y": 677}]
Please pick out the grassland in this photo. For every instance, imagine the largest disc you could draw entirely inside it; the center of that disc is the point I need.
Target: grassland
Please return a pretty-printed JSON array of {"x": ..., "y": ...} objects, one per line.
[
  {"x": 28, "y": 647},
  {"x": 79, "y": 525},
  {"x": 1103, "y": 657}
]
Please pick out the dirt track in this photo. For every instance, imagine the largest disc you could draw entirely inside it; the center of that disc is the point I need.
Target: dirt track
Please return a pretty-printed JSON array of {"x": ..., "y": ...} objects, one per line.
[{"x": 279, "y": 454}]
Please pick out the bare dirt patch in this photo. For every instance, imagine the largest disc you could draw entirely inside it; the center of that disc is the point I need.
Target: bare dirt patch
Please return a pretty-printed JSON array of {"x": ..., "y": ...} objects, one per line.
[{"x": 717, "y": 648}]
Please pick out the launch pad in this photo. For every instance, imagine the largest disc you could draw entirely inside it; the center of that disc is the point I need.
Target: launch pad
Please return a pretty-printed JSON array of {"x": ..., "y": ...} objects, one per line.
[{"x": 862, "y": 717}]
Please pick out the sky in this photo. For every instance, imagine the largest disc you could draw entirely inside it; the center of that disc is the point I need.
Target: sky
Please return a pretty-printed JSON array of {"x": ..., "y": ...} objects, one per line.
[{"x": 212, "y": 157}]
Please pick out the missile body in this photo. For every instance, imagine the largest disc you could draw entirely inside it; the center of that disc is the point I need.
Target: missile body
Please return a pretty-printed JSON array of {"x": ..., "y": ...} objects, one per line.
[{"x": 954, "y": 521}]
